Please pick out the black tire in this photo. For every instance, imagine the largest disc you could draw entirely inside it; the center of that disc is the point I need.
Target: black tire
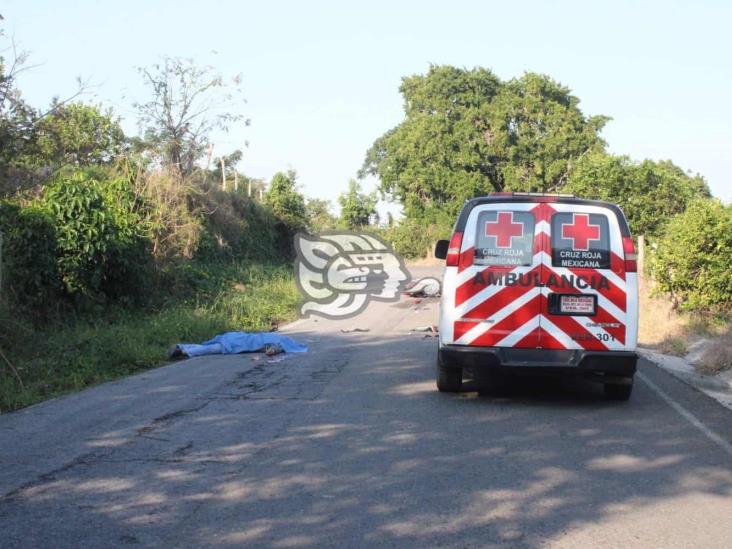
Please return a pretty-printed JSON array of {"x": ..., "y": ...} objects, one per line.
[
  {"x": 618, "y": 392},
  {"x": 449, "y": 380}
]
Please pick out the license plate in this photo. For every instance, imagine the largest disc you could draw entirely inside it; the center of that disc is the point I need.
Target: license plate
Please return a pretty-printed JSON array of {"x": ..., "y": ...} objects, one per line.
[{"x": 577, "y": 304}]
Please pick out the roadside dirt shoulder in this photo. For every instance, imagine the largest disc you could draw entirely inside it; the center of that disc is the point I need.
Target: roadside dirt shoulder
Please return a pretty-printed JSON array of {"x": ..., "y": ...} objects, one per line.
[{"x": 718, "y": 386}]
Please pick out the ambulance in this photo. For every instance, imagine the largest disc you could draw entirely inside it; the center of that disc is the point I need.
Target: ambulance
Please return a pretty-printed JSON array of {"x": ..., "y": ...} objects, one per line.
[{"x": 539, "y": 283}]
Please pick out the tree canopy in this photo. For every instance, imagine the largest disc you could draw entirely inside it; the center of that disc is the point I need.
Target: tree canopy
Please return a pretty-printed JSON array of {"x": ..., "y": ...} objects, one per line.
[
  {"x": 650, "y": 193},
  {"x": 286, "y": 201},
  {"x": 80, "y": 134},
  {"x": 467, "y": 133},
  {"x": 319, "y": 216},
  {"x": 357, "y": 207},
  {"x": 187, "y": 103}
]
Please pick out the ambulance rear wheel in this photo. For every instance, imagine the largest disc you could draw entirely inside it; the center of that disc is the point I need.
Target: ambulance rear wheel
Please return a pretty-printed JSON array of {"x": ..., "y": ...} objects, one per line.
[
  {"x": 618, "y": 392},
  {"x": 449, "y": 380}
]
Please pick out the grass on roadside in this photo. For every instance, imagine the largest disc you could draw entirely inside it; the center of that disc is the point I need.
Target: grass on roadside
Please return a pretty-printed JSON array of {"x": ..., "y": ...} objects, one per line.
[
  {"x": 80, "y": 352},
  {"x": 673, "y": 333}
]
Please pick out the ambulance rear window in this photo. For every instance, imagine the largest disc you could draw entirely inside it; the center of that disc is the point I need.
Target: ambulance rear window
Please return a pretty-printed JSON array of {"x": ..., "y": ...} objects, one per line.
[
  {"x": 580, "y": 240},
  {"x": 504, "y": 237}
]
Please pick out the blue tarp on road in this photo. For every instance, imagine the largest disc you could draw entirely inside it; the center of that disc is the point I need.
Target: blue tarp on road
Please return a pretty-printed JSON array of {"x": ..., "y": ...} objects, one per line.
[{"x": 241, "y": 342}]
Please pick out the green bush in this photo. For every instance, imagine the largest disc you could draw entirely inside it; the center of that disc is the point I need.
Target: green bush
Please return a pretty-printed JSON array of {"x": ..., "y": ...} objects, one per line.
[
  {"x": 649, "y": 192},
  {"x": 29, "y": 275},
  {"x": 413, "y": 239},
  {"x": 693, "y": 261},
  {"x": 238, "y": 227},
  {"x": 102, "y": 250}
]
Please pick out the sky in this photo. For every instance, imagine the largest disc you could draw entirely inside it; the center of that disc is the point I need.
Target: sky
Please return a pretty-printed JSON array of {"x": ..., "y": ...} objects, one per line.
[{"x": 321, "y": 78}]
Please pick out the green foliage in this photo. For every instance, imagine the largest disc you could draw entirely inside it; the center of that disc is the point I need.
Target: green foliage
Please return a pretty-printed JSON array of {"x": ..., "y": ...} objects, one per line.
[
  {"x": 101, "y": 252},
  {"x": 80, "y": 135},
  {"x": 413, "y": 239},
  {"x": 16, "y": 124},
  {"x": 172, "y": 212},
  {"x": 650, "y": 193},
  {"x": 29, "y": 276},
  {"x": 81, "y": 352},
  {"x": 693, "y": 261},
  {"x": 537, "y": 129},
  {"x": 319, "y": 215},
  {"x": 467, "y": 133},
  {"x": 356, "y": 207},
  {"x": 236, "y": 226},
  {"x": 286, "y": 202}
]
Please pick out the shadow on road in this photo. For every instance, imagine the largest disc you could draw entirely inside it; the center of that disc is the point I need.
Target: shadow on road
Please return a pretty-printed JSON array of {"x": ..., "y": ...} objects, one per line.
[{"x": 352, "y": 445}]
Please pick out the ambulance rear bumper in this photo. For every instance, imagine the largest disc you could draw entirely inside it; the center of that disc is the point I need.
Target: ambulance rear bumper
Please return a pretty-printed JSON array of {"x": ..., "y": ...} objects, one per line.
[{"x": 579, "y": 361}]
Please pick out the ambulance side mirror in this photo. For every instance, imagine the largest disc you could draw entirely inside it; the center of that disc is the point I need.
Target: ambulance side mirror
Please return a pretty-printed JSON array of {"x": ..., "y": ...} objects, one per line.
[{"x": 441, "y": 249}]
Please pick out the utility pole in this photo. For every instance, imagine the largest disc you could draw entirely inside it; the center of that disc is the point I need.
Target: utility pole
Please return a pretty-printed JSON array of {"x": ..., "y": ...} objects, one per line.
[
  {"x": 223, "y": 174},
  {"x": 210, "y": 153},
  {"x": 249, "y": 189},
  {"x": 236, "y": 180}
]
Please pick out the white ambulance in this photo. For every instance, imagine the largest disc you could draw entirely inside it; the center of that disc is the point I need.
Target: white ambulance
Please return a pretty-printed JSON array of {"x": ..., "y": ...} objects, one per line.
[{"x": 537, "y": 282}]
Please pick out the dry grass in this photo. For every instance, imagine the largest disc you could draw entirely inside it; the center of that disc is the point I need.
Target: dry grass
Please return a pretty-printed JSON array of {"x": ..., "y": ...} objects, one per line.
[
  {"x": 673, "y": 333},
  {"x": 660, "y": 327},
  {"x": 717, "y": 356}
]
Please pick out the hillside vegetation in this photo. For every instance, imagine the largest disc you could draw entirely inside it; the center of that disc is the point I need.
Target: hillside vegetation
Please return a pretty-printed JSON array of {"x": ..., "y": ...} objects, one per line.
[{"x": 115, "y": 247}]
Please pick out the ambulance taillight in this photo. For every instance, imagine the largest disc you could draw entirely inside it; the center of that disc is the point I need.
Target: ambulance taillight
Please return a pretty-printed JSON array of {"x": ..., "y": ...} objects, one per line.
[
  {"x": 631, "y": 258},
  {"x": 453, "y": 251}
]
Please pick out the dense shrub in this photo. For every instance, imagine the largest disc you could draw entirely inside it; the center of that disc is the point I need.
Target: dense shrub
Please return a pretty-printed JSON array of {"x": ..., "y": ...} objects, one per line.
[
  {"x": 693, "y": 261},
  {"x": 649, "y": 192},
  {"x": 29, "y": 276},
  {"x": 237, "y": 227},
  {"x": 414, "y": 240},
  {"x": 102, "y": 252},
  {"x": 172, "y": 214}
]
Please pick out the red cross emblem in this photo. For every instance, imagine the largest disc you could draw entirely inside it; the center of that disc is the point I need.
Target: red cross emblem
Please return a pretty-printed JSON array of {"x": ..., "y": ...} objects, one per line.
[
  {"x": 580, "y": 232},
  {"x": 504, "y": 229}
]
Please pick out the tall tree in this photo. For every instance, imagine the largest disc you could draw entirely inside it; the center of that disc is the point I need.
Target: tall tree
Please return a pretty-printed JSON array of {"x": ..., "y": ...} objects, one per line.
[
  {"x": 286, "y": 201},
  {"x": 319, "y": 216},
  {"x": 79, "y": 134},
  {"x": 187, "y": 103},
  {"x": 357, "y": 207},
  {"x": 22, "y": 162},
  {"x": 466, "y": 133}
]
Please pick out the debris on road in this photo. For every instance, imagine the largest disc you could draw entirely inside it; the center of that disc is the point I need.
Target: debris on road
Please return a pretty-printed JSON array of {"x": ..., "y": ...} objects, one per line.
[
  {"x": 277, "y": 359},
  {"x": 237, "y": 342},
  {"x": 350, "y": 330},
  {"x": 424, "y": 287},
  {"x": 432, "y": 330},
  {"x": 429, "y": 328}
]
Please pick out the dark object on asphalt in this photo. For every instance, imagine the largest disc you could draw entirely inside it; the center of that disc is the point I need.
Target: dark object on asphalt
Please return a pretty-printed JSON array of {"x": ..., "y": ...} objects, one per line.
[{"x": 349, "y": 330}]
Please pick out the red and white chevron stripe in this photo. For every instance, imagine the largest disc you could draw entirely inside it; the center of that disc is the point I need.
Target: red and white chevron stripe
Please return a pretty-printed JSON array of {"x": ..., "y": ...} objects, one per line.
[{"x": 517, "y": 315}]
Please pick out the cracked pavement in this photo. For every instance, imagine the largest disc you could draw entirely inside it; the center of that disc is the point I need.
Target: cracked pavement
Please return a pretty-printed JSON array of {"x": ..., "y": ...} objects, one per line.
[{"x": 351, "y": 445}]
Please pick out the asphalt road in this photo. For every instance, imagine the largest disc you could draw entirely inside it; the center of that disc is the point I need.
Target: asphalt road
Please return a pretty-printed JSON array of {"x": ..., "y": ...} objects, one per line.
[{"x": 351, "y": 445}]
